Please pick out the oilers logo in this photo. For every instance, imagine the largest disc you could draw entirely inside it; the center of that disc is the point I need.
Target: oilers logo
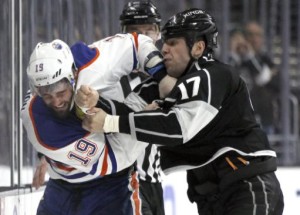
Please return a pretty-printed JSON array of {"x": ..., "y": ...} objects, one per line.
[{"x": 57, "y": 46}]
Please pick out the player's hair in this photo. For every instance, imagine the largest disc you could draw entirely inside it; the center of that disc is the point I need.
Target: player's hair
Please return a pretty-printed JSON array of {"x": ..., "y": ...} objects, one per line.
[{"x": 52, "y": 87}]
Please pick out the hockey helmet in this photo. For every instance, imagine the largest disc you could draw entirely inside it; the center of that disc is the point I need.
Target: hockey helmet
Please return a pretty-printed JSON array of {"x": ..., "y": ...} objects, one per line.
[
  {"x": 139, "y": 12},
  {"x": 192, "y": 24},
  {"x": 50, "y": 63}
]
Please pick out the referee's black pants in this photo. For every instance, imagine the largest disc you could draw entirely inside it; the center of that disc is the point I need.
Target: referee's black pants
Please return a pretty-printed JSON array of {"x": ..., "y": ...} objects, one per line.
[{"x": 151, "y": 195}]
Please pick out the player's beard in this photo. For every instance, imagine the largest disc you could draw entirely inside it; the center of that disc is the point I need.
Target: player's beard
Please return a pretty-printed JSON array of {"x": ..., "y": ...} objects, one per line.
[{"x": 62, "y": 113}]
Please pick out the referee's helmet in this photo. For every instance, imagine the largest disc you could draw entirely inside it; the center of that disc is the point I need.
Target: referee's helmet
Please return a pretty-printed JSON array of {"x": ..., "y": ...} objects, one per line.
[{"x": 139, "y": 13}]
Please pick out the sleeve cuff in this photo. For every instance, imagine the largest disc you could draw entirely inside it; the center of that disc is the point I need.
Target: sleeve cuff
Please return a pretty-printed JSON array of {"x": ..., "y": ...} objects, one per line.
[{"x": 111, "y": 124}]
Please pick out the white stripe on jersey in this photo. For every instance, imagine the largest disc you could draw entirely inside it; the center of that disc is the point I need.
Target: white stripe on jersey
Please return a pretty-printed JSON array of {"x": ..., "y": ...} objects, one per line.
[
  {"x": 197, "y": 113},
  {"x": 209, "y": 86},
  {"x": 208, "y": 81},
  {"x": 218, "y": 154}
]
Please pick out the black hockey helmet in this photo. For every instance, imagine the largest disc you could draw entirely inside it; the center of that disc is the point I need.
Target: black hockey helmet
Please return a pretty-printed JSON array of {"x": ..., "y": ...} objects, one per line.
[
  {"x": 140, "y": 12},
  {"x": 192, "y": 24}
]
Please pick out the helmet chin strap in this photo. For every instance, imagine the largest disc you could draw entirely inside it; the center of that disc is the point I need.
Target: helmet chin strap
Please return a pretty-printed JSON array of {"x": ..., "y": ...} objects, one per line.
[
  {"x": 73, "y": 82},
  {"x": 193, "y": 60},
  {"x": 72, "y": 102},
  {"x": 189, "y": 65}
]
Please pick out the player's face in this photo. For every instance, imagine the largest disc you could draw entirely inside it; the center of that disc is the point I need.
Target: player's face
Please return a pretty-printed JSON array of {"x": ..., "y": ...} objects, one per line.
[
  {"x": 176, "y": 56},
  {"x": 150, "y": 30},
  {"x": 58, "y": 98}
]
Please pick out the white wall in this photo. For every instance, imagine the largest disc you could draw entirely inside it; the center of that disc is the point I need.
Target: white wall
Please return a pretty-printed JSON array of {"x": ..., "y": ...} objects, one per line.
[
  {"x": 290, "y": 184},
  {"x": 176, "y": 200},
  {"x": 22, "y": 204}
]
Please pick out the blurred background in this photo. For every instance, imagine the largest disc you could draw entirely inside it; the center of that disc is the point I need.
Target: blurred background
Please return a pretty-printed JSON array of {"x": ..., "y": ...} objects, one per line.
[{"x": 268, "y": 29}]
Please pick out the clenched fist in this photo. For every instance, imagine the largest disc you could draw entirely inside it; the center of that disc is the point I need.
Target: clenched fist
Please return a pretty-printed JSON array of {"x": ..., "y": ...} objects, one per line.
[{"x": 86, "y": 97}]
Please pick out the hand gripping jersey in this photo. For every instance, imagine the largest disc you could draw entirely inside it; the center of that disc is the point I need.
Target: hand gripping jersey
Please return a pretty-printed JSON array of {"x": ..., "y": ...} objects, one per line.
[
  {"x": 74, "y": 154},
  {"x": 114, "y": 57},
  {"x": 207, "y": 114}
]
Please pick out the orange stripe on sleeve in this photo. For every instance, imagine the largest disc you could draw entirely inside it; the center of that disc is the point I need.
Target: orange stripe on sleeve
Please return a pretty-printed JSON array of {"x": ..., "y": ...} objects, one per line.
[
  {"x": 90, "y": 62},
  {"x": 136, "y": 41}
]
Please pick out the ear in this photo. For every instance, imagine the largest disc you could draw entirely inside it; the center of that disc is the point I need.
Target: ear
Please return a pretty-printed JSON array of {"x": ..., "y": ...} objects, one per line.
[{"x": 198, "y": 49}]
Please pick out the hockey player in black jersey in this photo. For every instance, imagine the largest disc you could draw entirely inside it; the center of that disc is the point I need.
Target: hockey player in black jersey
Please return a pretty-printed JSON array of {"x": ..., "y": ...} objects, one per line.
[{"x": 206, "y": 124}]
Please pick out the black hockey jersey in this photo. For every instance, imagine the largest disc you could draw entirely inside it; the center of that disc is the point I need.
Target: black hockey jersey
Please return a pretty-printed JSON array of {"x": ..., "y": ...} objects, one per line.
[{"x": 207, "y": 114}]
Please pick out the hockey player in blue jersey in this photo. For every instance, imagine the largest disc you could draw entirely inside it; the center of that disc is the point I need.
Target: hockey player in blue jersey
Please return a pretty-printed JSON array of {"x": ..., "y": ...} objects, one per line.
[{"x": 89, "y": 173}]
